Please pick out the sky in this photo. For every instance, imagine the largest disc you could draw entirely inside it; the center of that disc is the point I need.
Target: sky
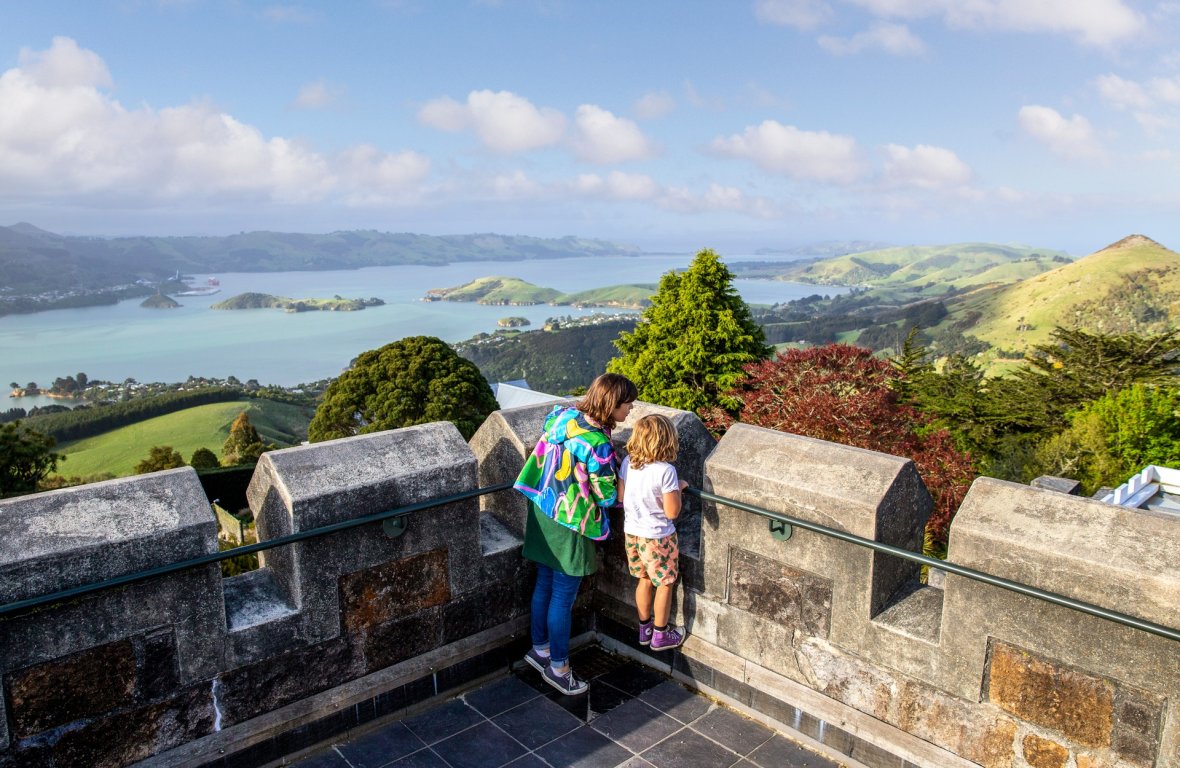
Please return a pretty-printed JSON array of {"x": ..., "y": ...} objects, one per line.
[{"x": 674, "y": 126}]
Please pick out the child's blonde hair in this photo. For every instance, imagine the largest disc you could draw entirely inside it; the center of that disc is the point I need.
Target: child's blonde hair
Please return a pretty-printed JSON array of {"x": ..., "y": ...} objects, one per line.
[{"x": 652, "y": 439}]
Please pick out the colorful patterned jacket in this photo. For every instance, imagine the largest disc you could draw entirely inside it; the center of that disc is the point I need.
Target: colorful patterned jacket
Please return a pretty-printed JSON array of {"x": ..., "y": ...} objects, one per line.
[{"x": 571, "y": 473}]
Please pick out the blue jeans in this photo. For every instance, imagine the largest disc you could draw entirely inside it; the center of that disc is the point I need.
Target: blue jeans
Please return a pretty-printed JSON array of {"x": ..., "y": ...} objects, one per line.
[{"x": 553, "y": 607}]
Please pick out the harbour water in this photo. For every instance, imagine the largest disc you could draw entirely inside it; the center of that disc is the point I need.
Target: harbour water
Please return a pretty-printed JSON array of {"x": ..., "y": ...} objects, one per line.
[{"x": 275, "y": 347}]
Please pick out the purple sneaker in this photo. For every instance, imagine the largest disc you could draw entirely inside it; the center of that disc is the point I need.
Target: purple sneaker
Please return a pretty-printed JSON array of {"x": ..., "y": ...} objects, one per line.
[
  {"x": 537, "y": 661},
  {"x": 673, "y": 637},
  {"x": 645, "y": 630},
  {"x": 566, "y": 683}
]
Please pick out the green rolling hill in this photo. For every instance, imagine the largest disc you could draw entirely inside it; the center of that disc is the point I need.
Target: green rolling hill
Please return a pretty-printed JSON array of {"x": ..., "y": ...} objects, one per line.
[
  {"x": 205, "y": 426},
  {"x": 1132, "y": 286},
  {"x": 913, "y": 272}
]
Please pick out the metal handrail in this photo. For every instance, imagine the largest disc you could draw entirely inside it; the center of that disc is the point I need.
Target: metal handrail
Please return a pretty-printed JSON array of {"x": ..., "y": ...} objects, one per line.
[
  {"x": 970, "y": 573},
  {"x": 196, "y": 562},
  {"x": 949, "y": 567}
]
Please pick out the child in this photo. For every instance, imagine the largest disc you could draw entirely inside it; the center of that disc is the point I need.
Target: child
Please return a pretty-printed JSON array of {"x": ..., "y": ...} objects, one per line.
[{"x": 651, "y": 490}]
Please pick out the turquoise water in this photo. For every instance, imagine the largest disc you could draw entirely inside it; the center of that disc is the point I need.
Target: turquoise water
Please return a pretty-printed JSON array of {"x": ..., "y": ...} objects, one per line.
[{"x": 126, "y": 340}]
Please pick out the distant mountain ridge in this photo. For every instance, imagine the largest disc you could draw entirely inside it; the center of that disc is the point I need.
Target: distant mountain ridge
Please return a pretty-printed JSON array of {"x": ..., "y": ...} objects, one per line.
[{"x": 33, "y": 260}]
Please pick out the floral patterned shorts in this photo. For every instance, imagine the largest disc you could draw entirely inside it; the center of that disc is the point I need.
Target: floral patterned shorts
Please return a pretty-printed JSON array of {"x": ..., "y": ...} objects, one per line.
[{"x": 657, "y": 559}]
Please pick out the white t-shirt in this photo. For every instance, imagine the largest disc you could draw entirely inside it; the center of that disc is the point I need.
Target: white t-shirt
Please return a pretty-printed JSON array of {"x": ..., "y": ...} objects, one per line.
[{"x": 643, "y": 498}]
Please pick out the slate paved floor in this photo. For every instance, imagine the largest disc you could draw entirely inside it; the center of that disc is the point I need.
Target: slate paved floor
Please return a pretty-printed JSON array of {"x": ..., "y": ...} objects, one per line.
[{"x": 632, "y": 717}]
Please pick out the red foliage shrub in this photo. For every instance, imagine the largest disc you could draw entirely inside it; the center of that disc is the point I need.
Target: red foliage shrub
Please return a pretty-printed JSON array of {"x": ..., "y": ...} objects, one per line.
[{"x": 843, "y": 394}]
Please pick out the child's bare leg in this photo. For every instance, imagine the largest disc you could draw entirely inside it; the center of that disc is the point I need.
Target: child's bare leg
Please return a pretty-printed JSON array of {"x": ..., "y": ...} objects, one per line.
[
  {"x": 644, "y": 590},
  {"x": 662, "y": 604}
]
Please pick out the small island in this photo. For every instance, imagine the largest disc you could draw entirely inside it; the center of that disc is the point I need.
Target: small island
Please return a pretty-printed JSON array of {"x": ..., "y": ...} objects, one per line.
[
  {"x": 513, "y": 322},
  {"x": 159, "y": 301},
  {"x": 265, "y": 301},
  {"x": 516, "y": 292}
]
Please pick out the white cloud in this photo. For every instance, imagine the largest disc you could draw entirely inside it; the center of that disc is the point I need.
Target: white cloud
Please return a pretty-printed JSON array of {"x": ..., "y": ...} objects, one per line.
[
  {"x": 800, "y": 14},
  {"x": 1153, "y": 102},
  {"x": 1101, "y": 23},
  {"x": 1124, "y": 94},
  {"x": 503, "y": 121},
  {"x": 1071, "y": 138},
  {"x": 890, "y": 38},
  {"x": 617, "y": 185},
  {"x": 652, "y": 106},
  {"x": 924, "y": 166},
  {"x": 633, "y": 187},
  {"x": 319, "y": 95},
  {"x": 63, "y": 137},
  {"x": 786, "y": 150},
  {"x": 64, "y": 65},
  {"x": 601, "y": 137}
]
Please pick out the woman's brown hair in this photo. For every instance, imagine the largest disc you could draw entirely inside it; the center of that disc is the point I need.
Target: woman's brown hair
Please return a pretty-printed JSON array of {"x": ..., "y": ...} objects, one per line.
[
  {"x": 606, "y": 393},
  {"x": 652, "y": 439}
]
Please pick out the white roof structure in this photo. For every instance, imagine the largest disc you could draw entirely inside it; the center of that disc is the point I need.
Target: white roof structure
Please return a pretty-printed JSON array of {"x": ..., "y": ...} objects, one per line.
[
  {"x": 513, "y": 394},
  {"x": 1154, "y": 488}
]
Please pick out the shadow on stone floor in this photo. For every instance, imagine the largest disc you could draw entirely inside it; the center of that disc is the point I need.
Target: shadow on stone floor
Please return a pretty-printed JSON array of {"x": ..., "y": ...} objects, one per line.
[{"x": 633, "y": 716}]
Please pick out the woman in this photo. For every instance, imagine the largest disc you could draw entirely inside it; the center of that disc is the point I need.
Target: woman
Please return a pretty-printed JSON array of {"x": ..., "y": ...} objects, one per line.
[{"x": 569, "y": 481}]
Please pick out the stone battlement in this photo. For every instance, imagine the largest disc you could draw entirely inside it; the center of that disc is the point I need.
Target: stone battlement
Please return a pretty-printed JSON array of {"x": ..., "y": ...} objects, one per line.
[{"x": 192, "y": 669}]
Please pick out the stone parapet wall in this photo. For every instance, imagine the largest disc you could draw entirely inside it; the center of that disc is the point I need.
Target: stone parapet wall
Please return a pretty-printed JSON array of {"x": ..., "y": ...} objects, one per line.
[
  {"x": 997, "y": 678},
  {"x": 816, "y": 632},
  {"x": 171, "y": 663}
]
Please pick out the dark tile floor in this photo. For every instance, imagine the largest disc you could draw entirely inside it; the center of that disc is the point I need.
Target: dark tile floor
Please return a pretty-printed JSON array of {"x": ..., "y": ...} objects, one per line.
[{"x": 632, "y": 717}]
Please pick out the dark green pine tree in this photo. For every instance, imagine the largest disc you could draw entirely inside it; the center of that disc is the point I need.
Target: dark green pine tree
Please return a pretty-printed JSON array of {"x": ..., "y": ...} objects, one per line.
[
  {"x": 693, "y": 341},
  {"x": 417, "y": 380}
]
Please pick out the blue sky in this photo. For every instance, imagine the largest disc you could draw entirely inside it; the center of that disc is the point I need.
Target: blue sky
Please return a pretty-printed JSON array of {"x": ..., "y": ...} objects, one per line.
[{"x": 671, "y": 125}]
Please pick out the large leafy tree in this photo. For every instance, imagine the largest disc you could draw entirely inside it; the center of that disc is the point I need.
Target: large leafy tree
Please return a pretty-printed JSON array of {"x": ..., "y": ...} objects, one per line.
[
  {"x": 417, "y": 380},
  {"x": 844, "y": 394},
  {"x": 1115, "y": 436},
  {"x": 26, "y": 457},
  {"x": 692, "y": 342}
]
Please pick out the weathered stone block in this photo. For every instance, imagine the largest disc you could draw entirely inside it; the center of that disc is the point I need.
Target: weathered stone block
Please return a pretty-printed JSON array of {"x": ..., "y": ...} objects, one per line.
[
  {"x": 1044, "y": 692},
  {"x": 159, "y": 675},
  {"x": 60, "y": 539},
  {"x": 980, "y": 734},
  {"x": 1137, "y": 719},
  {"x": 847, "y": 679},
  {"x": 1044, "y": 753},
  {"x": 486, "y": 607},
  {"x": 83, "y": 684},
  {"x": 396, "y": 641},
  {"x": 788, "y": 596},
  {"x": 279, "y": 680},
  {"x": 392, "y": 590},
  {"x": 125, "y": 737}
]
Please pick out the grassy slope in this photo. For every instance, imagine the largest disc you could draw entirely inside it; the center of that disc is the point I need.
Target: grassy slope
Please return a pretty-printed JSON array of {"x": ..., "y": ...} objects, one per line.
[
  {"x": 612, "y": 296},
  {"x": 1099, "y": 292},
  {"x": 206, "y": 426},
  {"x": 511, "y": 290},
  {"x": 914, "y": 267}
]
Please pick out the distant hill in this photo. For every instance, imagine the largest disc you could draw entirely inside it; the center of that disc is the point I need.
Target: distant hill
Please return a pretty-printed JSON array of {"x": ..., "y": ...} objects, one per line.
[
  {"x": 825, "y": 249},
  {"x": 159, "y": 301},
  {"x": 927, "y": 270},
  {"x": 1131, "y": 286},
  {"x": 265, "y": 300},
  {"x": 517, "y": 292},
  {"x": 33, "y": 260},
  {"x": 496, "y": 290}
]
